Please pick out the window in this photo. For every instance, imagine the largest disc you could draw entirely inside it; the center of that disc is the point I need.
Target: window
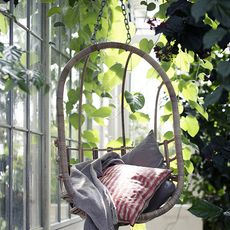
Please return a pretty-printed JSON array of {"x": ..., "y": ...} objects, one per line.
[{"x": 21, "y": 126}]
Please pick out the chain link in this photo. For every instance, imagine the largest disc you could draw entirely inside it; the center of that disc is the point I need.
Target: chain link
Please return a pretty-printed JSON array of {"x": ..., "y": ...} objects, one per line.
[
  {"x": 97, "y": 25},
  {"x": 126, "y": 21}
]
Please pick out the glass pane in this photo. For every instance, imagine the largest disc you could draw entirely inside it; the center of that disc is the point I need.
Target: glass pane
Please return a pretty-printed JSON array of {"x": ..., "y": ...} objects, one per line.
[
  {"x": 19, "y": 148},
  {"x": 55, "y": 30},
  {"x": 54, "y": 185},
  {"x": 20, "y": 12},
  {"x": 4, "y": 105},
  {"x": 19, "y": 111},
  {"x": 20, "y": 40},
  {"x": 4, "y": 25},
  {"x": 54, "y": 78},
  {"x": 35, "y": 181},
  {"x": 64, "y": 210},
  {"x": 4, "y": 5},
  {"x": 4, "y": 176},
  {"x": 19, "y": 96},
  {"x": 35, "y": 16},
  {"x": 35, "y": 96}
]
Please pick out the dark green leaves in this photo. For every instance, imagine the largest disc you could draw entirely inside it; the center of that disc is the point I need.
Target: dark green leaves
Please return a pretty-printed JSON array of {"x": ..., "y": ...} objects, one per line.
[
  {"x": 213, "y": 97},
  {"x": 223, "y": 68},
  {"x": 150, "y": 6},
  {"x": 213, "y": 36},
  {"x": 200, "y": 8},
  {"x": 205, "y": 210},
  {"x": 136, "y": 101}
]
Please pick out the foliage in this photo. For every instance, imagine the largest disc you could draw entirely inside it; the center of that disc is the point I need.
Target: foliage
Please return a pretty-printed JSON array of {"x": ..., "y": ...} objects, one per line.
[
  {"x": 13, "y": 73},
  {"x": 194, "y": 41}
]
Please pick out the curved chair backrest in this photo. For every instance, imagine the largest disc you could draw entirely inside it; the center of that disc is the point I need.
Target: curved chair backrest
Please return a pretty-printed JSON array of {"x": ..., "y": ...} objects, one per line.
[{"x": 62, "y": 149}]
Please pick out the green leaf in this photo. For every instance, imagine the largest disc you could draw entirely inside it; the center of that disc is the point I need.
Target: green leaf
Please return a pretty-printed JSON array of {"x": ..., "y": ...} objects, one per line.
[
  {"x": 73, "y": 161},
  {"x": 89, "y": 109},
  {"x": 205, "y": 209},
  {"x": 112, "y": 77},
  {"x": 190, "y": 91},
  {"x": 223, "y": 68},
  {"x": 119, "y": 142},
  {"x": 106, "y": 94},
  {"x": 139, "y": 117},
  {"x": 168, "y": 135},
  {"x": 213, "y": 97},
  {"x": 168, "y": 108},
  {"x": 200, "y": 7},
  {"x": 73, "y": 95},
  {"x": 143, "y": 3},
  {"x": 69, "y": 107},
  {"x": 183, "y": 61},
  {"x": 199, "y": 108},
  {"x": 136, "y": 101},
  {"x": 213, "y": 37},
  {"x": 162, "y": 10},
  {"x": 102, "y": 112},
  {"x": 9, "y": 84},
  {"x": 99, "y": 120},
  {"x": 146, "y": 45},
  {"x": 91, "y": 136},
  {"x": 152, "y": 73},
  {"x": 189, "y": 167},
  {"x": 69, "y": 17},
  {"x": 221, "y": 11},
  {"x": 74, "y": 118},
  {"x": 207, "y": 65},
  {"x": 23, "y": 86},
  {"x": 54, "y": 10},
  {"x": 187, "y": 153},
  {"x": 151, "y": 6},
  {"x": 190, "y": 124}
]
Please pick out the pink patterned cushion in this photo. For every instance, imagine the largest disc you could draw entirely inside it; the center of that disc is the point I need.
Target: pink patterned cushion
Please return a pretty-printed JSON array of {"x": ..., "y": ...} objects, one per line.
[{"x": 131, "y": 187}]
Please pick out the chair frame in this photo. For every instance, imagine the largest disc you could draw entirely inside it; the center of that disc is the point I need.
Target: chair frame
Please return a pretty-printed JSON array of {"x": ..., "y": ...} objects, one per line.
[{"x": 61, "y": 142}]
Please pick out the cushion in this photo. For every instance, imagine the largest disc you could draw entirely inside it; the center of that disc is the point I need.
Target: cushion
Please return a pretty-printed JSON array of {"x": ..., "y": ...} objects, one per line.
[
  {"x": 148, "y": 154},
  {"x": 131, "y": 187},
  {"x": 161, "y": 196},
  {"x": 145, "y": 154}
]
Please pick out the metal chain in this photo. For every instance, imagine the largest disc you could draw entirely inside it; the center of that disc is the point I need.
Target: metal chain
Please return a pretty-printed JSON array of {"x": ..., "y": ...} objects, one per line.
[
  {"x": 97, "y": 25},
  {"x": 126, "y": 21}
]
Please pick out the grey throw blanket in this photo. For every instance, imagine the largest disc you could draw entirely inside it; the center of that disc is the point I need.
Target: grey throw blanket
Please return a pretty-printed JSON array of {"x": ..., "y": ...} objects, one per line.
[{"x": 92, "y": 196}]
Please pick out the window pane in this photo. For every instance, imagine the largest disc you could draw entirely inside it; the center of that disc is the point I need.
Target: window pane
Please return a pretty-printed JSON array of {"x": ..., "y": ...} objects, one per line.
[
  {"x": 18, "y": 179},
  {"x": 54, "y": 185},
  {"x": 19, "y": 96},
  {"x": 35, "y": 96},
  {"x": 35, "y": 181},
  {"x": 19, "y": 108},
  {"x": 4, "y": 176},
  {"x": 35, "y": 16},
  {"x": 4, "y": 105},
  {"x": 20, "y": 12},
  {"x": 54, "y": 78}
]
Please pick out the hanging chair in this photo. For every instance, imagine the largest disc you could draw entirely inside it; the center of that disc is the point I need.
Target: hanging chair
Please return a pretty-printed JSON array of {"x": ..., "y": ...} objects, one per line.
[{"x": 63, "y": 149}]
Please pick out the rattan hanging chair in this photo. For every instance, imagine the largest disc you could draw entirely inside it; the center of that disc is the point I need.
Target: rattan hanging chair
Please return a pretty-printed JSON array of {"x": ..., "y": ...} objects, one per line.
[{"x": 63, "y": 149}]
